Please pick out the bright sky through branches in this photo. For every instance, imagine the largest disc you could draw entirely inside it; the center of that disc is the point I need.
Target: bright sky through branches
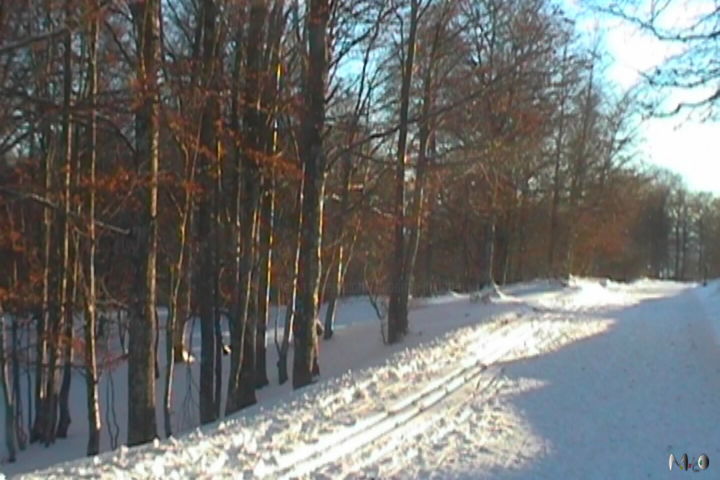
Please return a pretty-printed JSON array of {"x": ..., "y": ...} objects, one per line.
[{"x": 688, "y": 147}]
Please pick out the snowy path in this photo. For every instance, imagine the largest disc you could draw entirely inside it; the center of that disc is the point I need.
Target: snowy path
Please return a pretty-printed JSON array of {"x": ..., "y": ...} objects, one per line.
[
  {"x": 612, "y": 406},
  {"x": 616, "y": 406},
  {"x": 596, "y": 380}
]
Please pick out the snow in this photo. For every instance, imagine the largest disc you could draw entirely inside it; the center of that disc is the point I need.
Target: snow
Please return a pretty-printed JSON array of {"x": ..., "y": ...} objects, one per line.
[{"x": 594, "y": 379}]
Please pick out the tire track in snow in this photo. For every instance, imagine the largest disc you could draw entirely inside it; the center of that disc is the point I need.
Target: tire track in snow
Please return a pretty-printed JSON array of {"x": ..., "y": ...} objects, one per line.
[
  {"x": 336, "y": 445},
  {"x": 454, "y": 404},
  {"x": 376, "y": 461}
]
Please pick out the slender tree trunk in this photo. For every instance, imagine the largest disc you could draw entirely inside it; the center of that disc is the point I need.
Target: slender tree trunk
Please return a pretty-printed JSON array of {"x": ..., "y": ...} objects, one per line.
[
  {"x": 676, "y": 227},
  {"x": 273, "y": 69},
  {"x": 217, "y": 314},
  {"x": 555, "y": 202},
  {"x": 9, "y": 361},
  {"x": 17, "y": 398},
  {"x": 48, "y": 236},
  {"x": 41, "y": 347},
  {"x": 335, "y": 288},
  {"x": 684, "y": 249},
  {"x": 701, "y": 271},
  {"x": 487, "y": 267},
  {"x": 58, "y": 311},
  {"x": 10, "y": 423},
  {"x": 521, "y": 239},
  {"x": 204, "y": 287},
  {"x": 208, "y": 212},
  {"x": 466, "y": 260},
  {"x": 180, "y": 352},
  {"x": 91, "y": 373},
  {"x": 291, "y": 307},
  {"x": 169, "y": 364},
  {"x": 238, "y": 308},
  {"x": 265, "y": 278},
  {"x": 397, "y": 308},
  {"x": 65, "y": 419},
  {"x": 143, "y": 315},
  {"x": 578, "y": 179},
  {"x": 337, "y": 267},
  {"x": 428, "y": 288},
  {"x": 178, "y": 288},
  {"x": 418, "y": 196},
  {"x": 182, "y": 301},
  {"x": 242, "y": 362},
  {"x": 219, "y": 347}
]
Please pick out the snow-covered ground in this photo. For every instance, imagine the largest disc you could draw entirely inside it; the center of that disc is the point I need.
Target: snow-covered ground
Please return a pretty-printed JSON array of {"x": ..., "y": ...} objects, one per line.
[{"x": 590, "y": 380}]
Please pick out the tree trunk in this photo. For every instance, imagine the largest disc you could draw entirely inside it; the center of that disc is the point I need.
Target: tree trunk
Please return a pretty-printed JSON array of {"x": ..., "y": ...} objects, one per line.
[
  {"x": 241, "y": 390},
  {"x": 17, "y": 398},
  {"x": 64, "y": 398},
  {"x": 205, "y": 289},
  {"x": 335, "y": 288},
  {"x": 43, "y": 319},
  {"x": 398, "y": 308},
  {"x": 48, "y": 236},
  {"x": 180, "y": 352},
  {"x": 10, "y": 423},
  {"x": 417, "y": 208},
  {"x": 487, "y": 278},
  {"x": 58, "y": 313},
  {"x": 143, "y": 316},
  {"x": 684, "y": 248},
  {"x": 207, "y": 232},
  {"x": 266, "y": 250},
  {"x": 521, "y": 238},
  {"x": 555, "y": 202},
  {"x": 428, "y": 287},
  {"x": 236, "y": 324},
  {"x": 65, "y": 419},
  {"x": 91, "y": 373},
  {"x": 313, "y": 160},
  {"x": 291, "y": 307},
  {"x": 578, "y": 179},
  {"x": 271, "y": 95},
  {"x": 184, "y": 286},
  {"x": 337, "y": 268}
]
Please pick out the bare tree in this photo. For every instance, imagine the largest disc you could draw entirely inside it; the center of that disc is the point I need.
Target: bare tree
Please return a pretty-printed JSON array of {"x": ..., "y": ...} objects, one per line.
[
  {"x": 314, "y": 170},
  {"x": 143, "y": 314},
  {"x": 90, "y": 312},
  {"x": 208, "y": 208},
  {"x": 241, "y": 391},
  {"x": 271, "y": 92},
  {"x": 398, "y": 302}
]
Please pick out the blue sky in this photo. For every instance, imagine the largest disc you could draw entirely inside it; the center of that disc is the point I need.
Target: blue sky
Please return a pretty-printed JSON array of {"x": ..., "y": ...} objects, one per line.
[{"x": 686, "y": 146}]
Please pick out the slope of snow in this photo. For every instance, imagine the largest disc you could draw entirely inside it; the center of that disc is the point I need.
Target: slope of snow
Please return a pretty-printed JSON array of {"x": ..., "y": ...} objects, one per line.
[
  {"x": 259, "y": 439},
  {"x": 356, "y": 345},
  {"x": 593, "y": 380}
]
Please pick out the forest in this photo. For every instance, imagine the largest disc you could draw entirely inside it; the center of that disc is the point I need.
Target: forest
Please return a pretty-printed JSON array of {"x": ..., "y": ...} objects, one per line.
[{"x": 170, "y": 161}]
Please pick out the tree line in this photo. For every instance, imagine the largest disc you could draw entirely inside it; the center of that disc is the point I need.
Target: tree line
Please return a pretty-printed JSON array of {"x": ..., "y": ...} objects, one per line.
[{"x": 218, "y": 158}]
